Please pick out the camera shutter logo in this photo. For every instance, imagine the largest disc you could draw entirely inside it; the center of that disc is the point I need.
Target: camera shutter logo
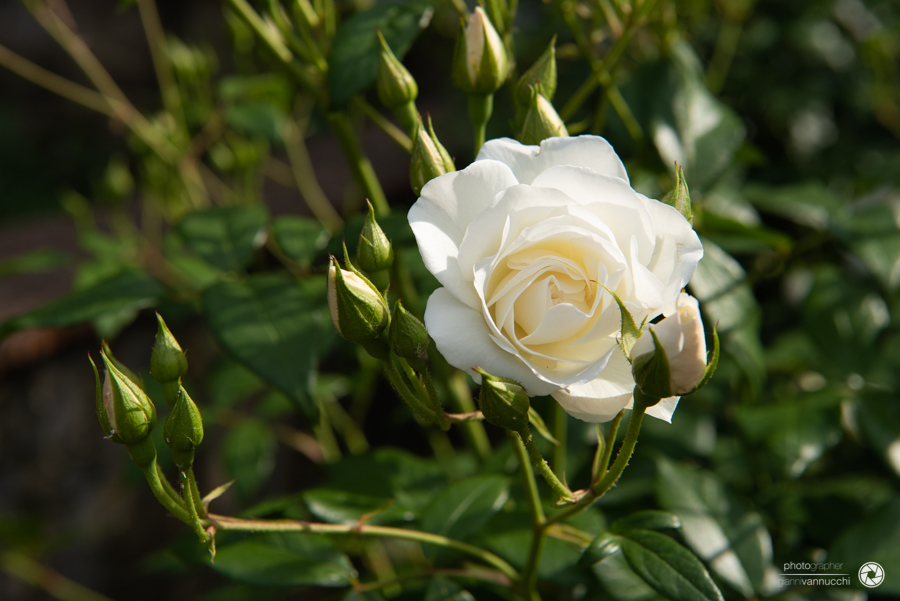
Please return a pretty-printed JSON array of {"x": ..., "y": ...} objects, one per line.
[{"x": 871, "y": 574}]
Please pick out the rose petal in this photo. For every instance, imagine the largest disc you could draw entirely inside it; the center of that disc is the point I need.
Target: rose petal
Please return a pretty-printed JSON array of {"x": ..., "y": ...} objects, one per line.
[
  {"x": 663, "y": 410},
  {"x": 601, "y": 399},
  {"x": 463, "y": 339},
  {"x": 440, "y": 217},
  {"x": 527, "y": 162}
]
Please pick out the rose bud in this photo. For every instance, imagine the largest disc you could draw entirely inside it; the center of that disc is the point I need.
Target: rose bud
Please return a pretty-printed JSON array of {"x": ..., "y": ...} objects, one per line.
[
  {"x": 397, "y": 89},
  {"x": 503, "y": 402},
  {"x": 540, "y": 121},
  {"x": 671, "y": 361},
  {"x": 429, "y": 157},
  {"x": 183, "y": 430},
  {"x": 679, "y": 196},
  {"x": 479, "y": 59},
  {"x": 408, "y": 337},
  {"x": 358, "y": 311},
  {"x": 542, "y": 73},
  {"x": 168, "y": 363},
  {"x": 374, "y": 252}
]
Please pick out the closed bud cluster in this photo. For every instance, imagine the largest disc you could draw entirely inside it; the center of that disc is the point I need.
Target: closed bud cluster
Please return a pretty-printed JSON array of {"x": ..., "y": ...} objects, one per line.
[
  {"x": 408, "y": 337},
  {"x": 429, "y": 157},
  {"x": 125, "y": 412},
  {"x": 168, "y": 363},
  {"x": 374, "y": 251},
  {"x": 503, "y": 402},
  {"x": 541, "y": 76},
  {"x": 671, "y": 361},
  {"x": 479, "y": 60},
  {"x": 540, "y": 121},
  {"x": 396, "y": 87},
  {"x": 183, "y": 430},
  {"x": 358, "y": 311}
]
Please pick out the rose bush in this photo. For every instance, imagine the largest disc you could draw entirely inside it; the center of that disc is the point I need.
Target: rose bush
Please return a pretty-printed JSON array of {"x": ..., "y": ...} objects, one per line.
[{"x": 521, "y": 241}]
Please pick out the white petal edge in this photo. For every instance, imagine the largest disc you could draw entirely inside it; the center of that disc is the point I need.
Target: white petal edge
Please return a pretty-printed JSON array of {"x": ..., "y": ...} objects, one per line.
[
  {"x": 527, "y": 162},
  {"x": 663, "y": 410},
  {"x": 601, "y": 399},
  {"x": 464, "y": 340}
]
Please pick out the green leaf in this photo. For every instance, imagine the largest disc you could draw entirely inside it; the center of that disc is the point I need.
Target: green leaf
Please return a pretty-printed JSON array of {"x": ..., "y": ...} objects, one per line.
[
  {"x": 811, "y": 204},
  {"x": 43, "y": 259},
  {"x": 353, "y": 65},
  {"x": 649, "y": 519},
  {"x": 620, "y": 580},
  {"x": 444, "y": 589},
  {"x": 226, "y": 237},
  {"x": 874, "y": 538},
  {"x": 248, "y": 456},
  {"x": 630, "y": 331},
  {"x": 300, "y": 238},
  {"x": 735, "y": 237},
  {"x": 670, "y": 569},
  {"x": 735, "y": 541},
  {"x": 341, "y": 507},
  {"x": 266, "y": 323},
  {"x": 464, "y": 507},
  {"x": 679, "y": 196},
  {"x": 879, "y": 422},
  {"x": 129, "y": 290},
  {"x": 512, "y": 545},
  {"x": 537, "y": 422},
  {"x": 285, "y": 560},
  {"x": 257, "y": 119},
  {"x": 604, "y": 545}
]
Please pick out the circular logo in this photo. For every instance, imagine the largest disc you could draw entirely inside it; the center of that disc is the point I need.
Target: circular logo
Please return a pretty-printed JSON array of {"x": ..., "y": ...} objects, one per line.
[{"x": 871, "y": 574}]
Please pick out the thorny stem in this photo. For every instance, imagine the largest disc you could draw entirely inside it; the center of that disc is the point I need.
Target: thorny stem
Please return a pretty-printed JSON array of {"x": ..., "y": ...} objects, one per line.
[
  {"x": 170, "y": 490},
  {"x": 26, "y": 569},
  {"x": 192, "y": 507},
  {"x": 195, "y": 494},
  {"x": 394, "y": 132},
  {"x": 561, "y": 490},
  {"x": 528, "y": 581},
  {"x": 435, "y": 401},
  {"x": 305, "y": 178},
  {"x": 365, "y": 173},
  {"x": 610, "y": 443},
  {"x": 560, "y": 433},
  {"x": 156, "y": 39},
  {"x": 162, "y": 496},
  {"x": 222, "y": 522},
  {"x": 417, "y": 407}
]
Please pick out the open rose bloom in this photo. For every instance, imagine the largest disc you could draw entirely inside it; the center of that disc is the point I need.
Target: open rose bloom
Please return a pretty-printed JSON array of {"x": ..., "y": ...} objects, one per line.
[{"x": 521, "y": 241}]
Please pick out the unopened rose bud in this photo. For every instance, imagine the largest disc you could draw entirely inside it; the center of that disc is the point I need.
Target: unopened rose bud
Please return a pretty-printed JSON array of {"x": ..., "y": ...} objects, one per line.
[
  {"x": 397, "y": 88},
  {"x": 540, "y": 121},
  {"x": 128, "y": 413},
  {"x": 168, "y": 363},
  {"x": 671, "y": 360},
  {"x": 408, "y": 337},
  {"x": 479, "y": 59},
  {"x": 358, "y": 311},
  {"x": 374, "y": 251},
  {"x": 429, "y": 158},
  {"x": 541, "y": 76},
  {"x": 183, "y": 430},
  {"x": 503, "y": 402},
  {"x": 679, "y": 196}
]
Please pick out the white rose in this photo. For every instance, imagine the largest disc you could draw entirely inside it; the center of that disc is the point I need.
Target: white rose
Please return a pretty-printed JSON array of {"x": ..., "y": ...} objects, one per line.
[
  {"x": 681, "y": 337},
  {"x": 521, "y": 239}
]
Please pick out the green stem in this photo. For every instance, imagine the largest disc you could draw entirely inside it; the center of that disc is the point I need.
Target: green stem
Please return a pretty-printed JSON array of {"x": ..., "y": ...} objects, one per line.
[
  {"x": 530, "y": 572},
  {"x": 417, "y": 407},
  {"x": 726, "y": 46},
  {"x": 191, "y": 507},
  {"x": 195, "y": 494},
  {"x": 610, "y": 443},
  {"x": 305, "y": 178},
  {"x": 394, "y": 132},
  {"x": 162, "y": 496},
  {"x": 600, "y": 488},
  {"x": 406, "y": 288},
  {"x": 579, "y": 97},
  {"x": 19, "y": 565},
  {"x": 480, "y": 109},
  {"x": 228, "y": 523},
  {"x": 435, "y": 401},
  {"x": 170, "y": 490},
  {"x": 561, "y": 490},
  {"x": 561, "y": 433},
  {"x": 156, "y": 39},
  {"x": 473, "y": 431},
  {"x": 362, "y": 167}
]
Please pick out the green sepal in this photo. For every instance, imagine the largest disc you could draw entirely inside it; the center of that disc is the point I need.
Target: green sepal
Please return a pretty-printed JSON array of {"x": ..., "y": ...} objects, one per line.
[
  {"x": 143, "y": 452},
  {"x": 541, "y": 76},
  {"x": 183, "y": 430},
  {"x": 652, "y": 373},
  {"x": 102, "y": 416},
  {"x": 711, "y": 366},
  {"x": 374, "y": 251},
  {"x": 630, "y": 331},
  {"x": 168, "y": 362},
  {"x": 539, "y": 120},
  {"x": 409, "y": 338},
  {"x": 130, "y": 413},
  {"x": 449, "y": 165},
  {"x": 679, "y": 196},
  {"x": 358, "y": 311},
  {"x": 395, "y": 85},
  {"x": 535, "y": 419}
]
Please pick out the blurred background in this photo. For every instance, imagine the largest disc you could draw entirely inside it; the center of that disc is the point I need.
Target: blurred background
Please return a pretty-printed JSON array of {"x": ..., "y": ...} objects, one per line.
[{"x": 786, "y": 115}]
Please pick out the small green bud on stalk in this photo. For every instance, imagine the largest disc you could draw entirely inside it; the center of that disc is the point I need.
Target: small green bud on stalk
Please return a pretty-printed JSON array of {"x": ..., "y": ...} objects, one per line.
[
  {"x": 374, "y": 252},
  {"x": 397, "y": 88},
  {"x": 503, "y": 402},
  {"x": 479, "y": 58},
  {"x": 672, "y": 360},
  {"x": 409, "y": 338},
  {"x": 126, "y": 413},
  {"x": 679, "y": 196},
  {"x": 541, "y": 76},
  {"x": 183, "y": 430},
  {"x": 540, "y": 121},
  {"x": 168, "y": 363},
  {"x": 358, "y": 311},
  {"x": 429, "y": 158}
]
